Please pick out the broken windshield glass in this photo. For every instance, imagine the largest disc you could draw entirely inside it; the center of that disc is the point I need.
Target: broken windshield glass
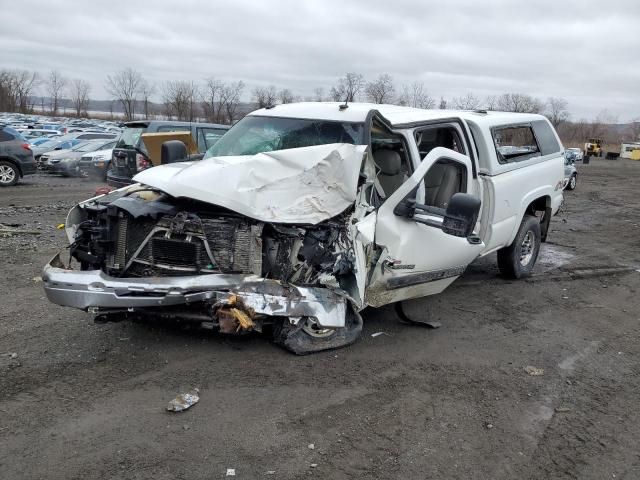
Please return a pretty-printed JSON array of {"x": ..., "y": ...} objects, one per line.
[{"x": 255, "y": 134}]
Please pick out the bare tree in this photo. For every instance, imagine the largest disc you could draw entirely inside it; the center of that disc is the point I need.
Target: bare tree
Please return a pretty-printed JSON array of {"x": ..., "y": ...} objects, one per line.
[
  {"x": 381, "y": 90},
  {"x": 79, "y": 90},
  {"x": 633, "y": 131},
  {"x": 318, "y": 94},
  {"x": 124, "y": 86},
  {"x": 556, "y": 111},
  {"x": 180, "y": 98},
  {"x": 211, "y": 103},
  {"x": 265, "y": 96},
  {"x": 55, "y": 87},
  {"x": 348, "y": 88},
  {"x": 230, "y": 99},
  {"x": 443, "y": 104},
  {"x": 519, "y": 102},
  {"x": 466, "y": 102},
  {"x": 491, "y": 103},
  {"x": 147, "y": 90},
  {"x": 416, "y": 96},
  {"x": 285, "y": 96},
  {"x": 16, "y": 87}
]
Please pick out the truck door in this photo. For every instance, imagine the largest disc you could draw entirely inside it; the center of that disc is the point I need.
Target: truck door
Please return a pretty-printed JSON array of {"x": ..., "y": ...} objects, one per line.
[{"x": 418, "y": 258}]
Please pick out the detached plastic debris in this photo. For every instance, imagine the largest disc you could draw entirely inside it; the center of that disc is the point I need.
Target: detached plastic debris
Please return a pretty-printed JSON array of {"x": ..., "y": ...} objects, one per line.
[
  {"x": 534, "y": 371},
  {"x": 231, "y": 472},
  {"x": 184, "y": 401}
]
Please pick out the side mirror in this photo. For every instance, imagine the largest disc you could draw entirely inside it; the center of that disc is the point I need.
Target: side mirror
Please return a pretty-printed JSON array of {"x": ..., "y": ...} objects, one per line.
[
  {"x": 173, "y": 151},
  {"x": 461, "y": 215}
]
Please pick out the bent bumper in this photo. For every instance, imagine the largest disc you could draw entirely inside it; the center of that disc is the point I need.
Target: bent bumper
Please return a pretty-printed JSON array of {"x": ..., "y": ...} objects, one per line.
[{"x": 95, "y": 289}]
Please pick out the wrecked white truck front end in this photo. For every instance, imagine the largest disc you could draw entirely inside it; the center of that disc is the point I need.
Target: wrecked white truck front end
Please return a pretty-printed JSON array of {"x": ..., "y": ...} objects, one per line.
[{"x": 238, "y": 242}]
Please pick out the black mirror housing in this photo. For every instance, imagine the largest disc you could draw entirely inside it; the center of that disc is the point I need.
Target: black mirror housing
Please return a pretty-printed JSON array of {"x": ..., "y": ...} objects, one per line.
[
  {"x": 173, "y": 151},
  {"x": 461, "y": 215}
]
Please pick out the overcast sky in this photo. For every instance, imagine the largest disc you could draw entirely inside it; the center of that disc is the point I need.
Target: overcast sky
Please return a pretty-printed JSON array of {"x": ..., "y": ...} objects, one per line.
[{"x": 585, "y": 51}]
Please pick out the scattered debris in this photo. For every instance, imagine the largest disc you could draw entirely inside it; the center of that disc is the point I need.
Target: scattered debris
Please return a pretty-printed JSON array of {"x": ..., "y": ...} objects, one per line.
[
  {"x": 11, "y": 230},
  {"x": 231, "y": 472},
  {"x": 184, "y": 401},
  {"x": 489, "y": 426},
  {"x": 562, "y": 409},
  {"x": 534, "y": 371},
  {"x": 60, "y": 226},
  {"x": 313, "y": 465},
  {"x": 37, "y": 279},
  {"x": 13, "y": 355},
  {"x": 271, "y": 472},
  {"x": 377, "y": 334},
  {"x": 312, "y": 446}
]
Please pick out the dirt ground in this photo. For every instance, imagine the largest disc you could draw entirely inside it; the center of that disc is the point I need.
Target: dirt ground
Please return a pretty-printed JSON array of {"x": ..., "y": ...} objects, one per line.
[{"x": 80, "y": 400}]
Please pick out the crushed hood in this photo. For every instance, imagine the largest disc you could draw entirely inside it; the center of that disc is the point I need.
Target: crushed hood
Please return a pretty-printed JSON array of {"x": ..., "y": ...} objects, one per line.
[{"x": 299, "y": 185}]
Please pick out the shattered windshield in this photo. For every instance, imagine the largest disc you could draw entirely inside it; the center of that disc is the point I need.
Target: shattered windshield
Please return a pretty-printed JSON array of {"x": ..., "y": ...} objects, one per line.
[{"x": 255, "y": 134}]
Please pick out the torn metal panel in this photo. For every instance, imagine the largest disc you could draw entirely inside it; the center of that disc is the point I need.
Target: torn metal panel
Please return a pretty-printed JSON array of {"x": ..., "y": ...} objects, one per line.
[{"x": 300, "y": 185}]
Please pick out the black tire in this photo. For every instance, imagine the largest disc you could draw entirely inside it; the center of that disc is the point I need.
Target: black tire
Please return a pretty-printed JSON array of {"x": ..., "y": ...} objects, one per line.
[
  {"x": 571, "y": 185},
  {"x": 511, "y": 258},
  {"x": 9, "y": 174},
  {"x": 296, "y": 338}
]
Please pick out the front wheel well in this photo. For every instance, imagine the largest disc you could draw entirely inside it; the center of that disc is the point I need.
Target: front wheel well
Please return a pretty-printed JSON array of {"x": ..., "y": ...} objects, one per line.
[{"x": 541, "y": 209}]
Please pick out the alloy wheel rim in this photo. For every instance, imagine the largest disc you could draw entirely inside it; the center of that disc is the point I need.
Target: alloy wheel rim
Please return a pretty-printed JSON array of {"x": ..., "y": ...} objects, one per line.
[
  {"x": 573, "y": 182},
  {"x": 7, "y": 174},
  {"x": 312, "y": 328},
  {"x": 526, "y": 249}
]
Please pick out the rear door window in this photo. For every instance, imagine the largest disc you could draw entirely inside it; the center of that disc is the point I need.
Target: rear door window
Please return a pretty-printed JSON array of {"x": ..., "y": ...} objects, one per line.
[
  {"x": 546, "y": 138},
  {"x": 174, "y": 128},
  {"x": 515, "y": 143}
]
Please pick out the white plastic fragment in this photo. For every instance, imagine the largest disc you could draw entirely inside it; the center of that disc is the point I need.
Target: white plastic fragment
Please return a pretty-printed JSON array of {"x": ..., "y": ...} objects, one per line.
[
  {"x": 311, "y": 446},
  {"x": 271, "y": 472},
  {"x": 184, "y": 401},
  {"x": 231, "y": 472},
  {"x": 534, "y": 371},
  {"x": 377, "y": 334}
]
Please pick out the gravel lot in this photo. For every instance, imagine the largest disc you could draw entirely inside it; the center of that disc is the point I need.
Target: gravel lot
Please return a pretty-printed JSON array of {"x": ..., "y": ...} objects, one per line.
[{"x": 87, "y": 401}]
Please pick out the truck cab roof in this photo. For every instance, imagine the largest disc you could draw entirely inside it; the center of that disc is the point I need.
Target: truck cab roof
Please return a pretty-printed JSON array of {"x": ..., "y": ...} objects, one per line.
[{"x": 396, "y": 115}]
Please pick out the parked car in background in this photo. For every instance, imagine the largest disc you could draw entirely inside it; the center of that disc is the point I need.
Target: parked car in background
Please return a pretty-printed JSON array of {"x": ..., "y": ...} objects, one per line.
[
  {"x": 53, "y": 144},
  {"x": 34, "y": 142},
  {"x": 66, "y": 162},
  {"x": 60, "y": 143},
  {"x": 29, "y": 133},
  {"x": 570, "y": 171},
  {"x": 130, "y": 155},
  {"x": 16, "y": 157},
  {"x": 579, "y": 155},
  {"x": 96, "y": 164}
]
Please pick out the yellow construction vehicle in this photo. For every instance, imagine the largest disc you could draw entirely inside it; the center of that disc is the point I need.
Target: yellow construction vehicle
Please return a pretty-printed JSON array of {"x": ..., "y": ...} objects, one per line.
[{"x": 593, "y": 147}]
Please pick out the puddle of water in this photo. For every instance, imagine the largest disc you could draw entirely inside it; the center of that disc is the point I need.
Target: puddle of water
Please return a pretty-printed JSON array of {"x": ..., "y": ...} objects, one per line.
[{"x": 552, "y": 256}]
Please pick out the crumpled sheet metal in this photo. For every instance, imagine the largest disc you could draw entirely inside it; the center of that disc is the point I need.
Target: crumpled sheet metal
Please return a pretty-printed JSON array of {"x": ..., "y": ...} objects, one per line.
[
  {"x": 299, "y": 185},
  {"x": 184, "y": 401}
]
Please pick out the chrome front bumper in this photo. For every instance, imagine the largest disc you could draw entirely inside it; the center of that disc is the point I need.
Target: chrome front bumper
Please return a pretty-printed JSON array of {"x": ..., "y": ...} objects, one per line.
[{"x": 94, "y": 289}]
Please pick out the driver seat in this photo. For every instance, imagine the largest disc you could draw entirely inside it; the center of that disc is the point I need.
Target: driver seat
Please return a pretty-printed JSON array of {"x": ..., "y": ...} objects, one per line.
[{"x": 390, "y": 176}]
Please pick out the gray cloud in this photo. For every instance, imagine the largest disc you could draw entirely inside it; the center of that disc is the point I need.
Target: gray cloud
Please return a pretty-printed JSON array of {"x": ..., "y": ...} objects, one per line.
[{"x": 586, "y": 51}]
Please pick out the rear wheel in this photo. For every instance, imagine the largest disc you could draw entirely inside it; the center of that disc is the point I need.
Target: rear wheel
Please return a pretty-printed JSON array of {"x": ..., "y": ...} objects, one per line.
[
  {"x": 9, "y": 174},
  {"x": 572, "y": 182},
  {"x": 518, "y": 259},
  {"x": 308, "y": 337}
]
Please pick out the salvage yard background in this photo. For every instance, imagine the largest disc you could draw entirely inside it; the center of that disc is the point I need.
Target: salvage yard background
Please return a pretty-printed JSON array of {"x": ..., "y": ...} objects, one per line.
[{"x": 85, "y": 400}]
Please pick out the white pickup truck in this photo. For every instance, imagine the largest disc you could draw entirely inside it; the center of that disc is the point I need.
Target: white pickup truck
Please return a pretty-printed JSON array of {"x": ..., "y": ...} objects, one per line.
[{"x": 304, "y": 214}]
